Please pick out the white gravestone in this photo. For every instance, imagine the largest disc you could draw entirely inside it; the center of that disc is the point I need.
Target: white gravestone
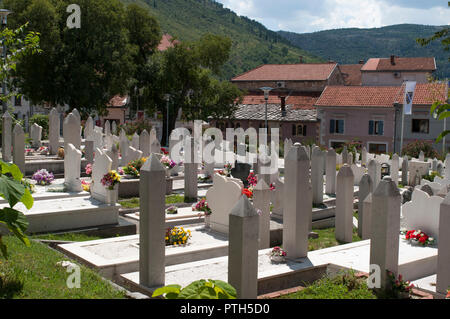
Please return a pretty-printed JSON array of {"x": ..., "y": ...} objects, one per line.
[
  {"x": 36, "y": 135},
  {"x": 278, "y": 199},
  {"x": 53, "y": 131},
  {"x": 144, "y": 143},
  {"x": 72, "y": 167},
  {"x": 19, "y": 147},
  {"x": 330, "y": 186},
  {"x": 358, "y": 173},
  {"x": 221, "y": 198},
  {"x": 394, "y": 168},
  {"x": 6, "y": 137},
  {"x": 344, "y": 205},
  {"x": 317, "y": 159},
  {"x": 102, "y": 165},
  {"x": 71, "y": 131},
  {"x": 88, "y": 127},
  {"x": 135, "y": 140},
  {"x": 261, "y": 201}
]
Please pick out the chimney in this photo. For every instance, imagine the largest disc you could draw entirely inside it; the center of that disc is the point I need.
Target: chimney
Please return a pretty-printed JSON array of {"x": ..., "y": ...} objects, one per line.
[
  {"x": 301, "y": 59},
  {"x": 393, "y": 59},
  {"x": 283, "y": 105}
]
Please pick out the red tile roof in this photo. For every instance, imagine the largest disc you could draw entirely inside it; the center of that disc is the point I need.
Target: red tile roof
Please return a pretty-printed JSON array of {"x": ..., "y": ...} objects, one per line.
[
  {"x": 376, "y": 96},
  {"x": 297, "y": 101},
  {"x": 401, "y": 64},
  {"x": 380, "y": 96},
  {"x": 351, "y": 73},
  {"x": 118, "y": 101},
  {"x": 288, "y": 72},
  {"x": 166, "y": 42}
]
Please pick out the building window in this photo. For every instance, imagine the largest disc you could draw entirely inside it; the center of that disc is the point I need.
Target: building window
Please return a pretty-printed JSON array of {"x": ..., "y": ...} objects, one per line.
[
  {"x": 17, "y": 101},
  {"x": 420, "y": 126},
  {"x": 377, "y": 148},
  {"x": 298, "y": 130},
  {"x": 336, "y": 126},
  {"x": 376, "y": 127}
]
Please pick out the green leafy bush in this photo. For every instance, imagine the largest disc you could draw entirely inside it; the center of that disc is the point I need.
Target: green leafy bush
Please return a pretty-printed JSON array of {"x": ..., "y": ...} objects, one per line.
[
  {"x": 41, "y": 120},
  {"x": 413, "y": 149},
  {"x": 430, "y": 177},
  {"x": 200, "y": 289}
]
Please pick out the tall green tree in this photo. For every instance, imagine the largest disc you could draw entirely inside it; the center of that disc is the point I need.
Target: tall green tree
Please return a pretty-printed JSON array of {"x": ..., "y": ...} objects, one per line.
[
  {"x": 82, "y": 67},
  {"x": 188, "y": 72}
]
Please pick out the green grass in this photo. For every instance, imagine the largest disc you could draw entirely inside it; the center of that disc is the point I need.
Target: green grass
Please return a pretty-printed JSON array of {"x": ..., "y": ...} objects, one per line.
[
  {"x": 66, "y": 237},
  {"x": 134, "y": 202},
  {"x": 345, "y": 285},
  {"x": 32, "y": 273},
  {"x": 327, "y": 239}
]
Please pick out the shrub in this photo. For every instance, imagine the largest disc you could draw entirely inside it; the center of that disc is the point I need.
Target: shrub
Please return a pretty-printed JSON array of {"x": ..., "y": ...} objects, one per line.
[
  {"x": 430, "y": 177},
  {"x": 413, "y": 149},
  {"x": 130, "y": 127},
  {"x": 200, "y": 289},
  {"x": 41, "y": 120}
]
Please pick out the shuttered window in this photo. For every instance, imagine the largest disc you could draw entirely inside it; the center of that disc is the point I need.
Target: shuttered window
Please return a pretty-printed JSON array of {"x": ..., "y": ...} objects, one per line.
[{"x": 336, "y": 126}]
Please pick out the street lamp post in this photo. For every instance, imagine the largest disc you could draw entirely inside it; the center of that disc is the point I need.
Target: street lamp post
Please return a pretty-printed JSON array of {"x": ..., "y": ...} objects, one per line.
[
  {"x": 4, "y": 19},
  {"x": 266, "y": 90},
  {"x": 167, "y": 98}
]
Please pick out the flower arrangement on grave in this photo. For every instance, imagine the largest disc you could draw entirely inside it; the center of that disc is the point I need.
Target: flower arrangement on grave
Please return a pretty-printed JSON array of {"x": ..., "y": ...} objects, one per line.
[
  {"x": 110, "y": 179},
  {"x": 88, "y": 169},
  {"x": 60, "y": 152},
  {"x": 226, "y": 171},
  {"x": 167, "y": 162},
  {"x": 172, "y": 210},
  {"x": 164, "y": 151},
  {"x": 419, "y": 237},
  {"x": 247, "y": 192},
  {"x": 85, "y": 185},
  {"x": 202, "y": 206},
  {"x": 28, "y": 151},
  {"x": 252, "y": 179},
  {"x": 134, "y": 167},
  {"x": 43, "y": 177},
  {"x": 277, "y": 254},
  {"x": 400, "y": 288},
  {"x": 120, "y": 171},
  {"x": 43, "y": 150},
  {"x": 177, "y": 236}
]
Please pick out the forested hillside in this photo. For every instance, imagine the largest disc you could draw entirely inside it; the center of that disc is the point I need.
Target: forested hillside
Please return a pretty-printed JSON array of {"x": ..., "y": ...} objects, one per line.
[
  {"x": 253, "y": 44},
  {"x": 351, "y": 45}
]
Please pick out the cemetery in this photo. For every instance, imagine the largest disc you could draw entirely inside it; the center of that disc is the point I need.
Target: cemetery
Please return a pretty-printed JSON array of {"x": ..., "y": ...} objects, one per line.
[{"x": 227, "y": 219}]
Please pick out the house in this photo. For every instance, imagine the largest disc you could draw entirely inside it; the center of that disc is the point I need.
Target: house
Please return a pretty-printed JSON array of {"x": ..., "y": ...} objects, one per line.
[
  {"x": 290, "y": 104},
  {"x": 351, "y": 73},
  {"x": 117, "y": 108},
  {"x": 395, "y": 70},
  {"x": 372, "y": 115}
]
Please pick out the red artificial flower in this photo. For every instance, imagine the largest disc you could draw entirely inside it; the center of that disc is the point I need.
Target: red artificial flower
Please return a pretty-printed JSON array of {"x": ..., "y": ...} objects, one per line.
[
  {"x": 247, "y": 193},
  {"x": 422, "y": 240}
]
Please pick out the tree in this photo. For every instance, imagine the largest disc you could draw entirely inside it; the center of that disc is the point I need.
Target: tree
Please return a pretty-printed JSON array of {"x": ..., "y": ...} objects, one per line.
[
  {"x": 187, "y": 72},
  {"x": 82, "y": 67}
]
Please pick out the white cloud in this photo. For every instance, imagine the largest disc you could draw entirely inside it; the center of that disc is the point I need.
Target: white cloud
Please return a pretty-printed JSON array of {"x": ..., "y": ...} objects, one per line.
[{"x": 302, "y": 16}]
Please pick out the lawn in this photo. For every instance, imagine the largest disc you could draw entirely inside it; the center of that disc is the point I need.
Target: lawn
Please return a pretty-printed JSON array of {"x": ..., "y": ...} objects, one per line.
[
  {"x": 327, "y": 239},
  {"x": 134, "y": 202},
  {"x": 33, "y": 273},
  {"x": 344, "y": 285},
  {"x": 66, "y": 237}
]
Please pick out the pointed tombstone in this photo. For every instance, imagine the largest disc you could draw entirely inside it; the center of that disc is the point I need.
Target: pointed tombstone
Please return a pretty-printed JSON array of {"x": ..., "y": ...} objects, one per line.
[
  {"x": 243, "y": 249},
  {"x": 374, "y": 170},
  {"x": 344, "y": 154},
  {"x": 36, "y": 135},
  {"x": 364, "y": 156},
  {"x": 88, "y": 127},
  {"x": 152, "y": 246},
  {"x": 78, "y": 117},
  {"x": 317, "y": 159},
  {"x": 365, "y": 189},
  {"x": 102, "y": 165},
  {"x": 264, "y": 163},
  {"x": 144, "y": 143},
  {"x": 72, "y": 168},
  {"x": 385, "y": 226},
  {"x": 19, "y": 147},
  {"x": 53, "y": 131},
  {"x": 155, "y": 146},
  {"x": 190, "y": 169},
  {"x": 89, "y": 151},
  {"x": 261, "y": 201},
  {"x": 71, "y": 131},
  {"x": 6, "y": 137},
  {"x": 330, "y": 186},
  {"x": 209, "y": 152},
  {"x": 107, "y": 128},
  {"x": 405, "y": 170},
  {"x": 153, "y": 135},
  {"x": 434, "y": 164},
  {"x": 344, "y": 205},
  {"x": 443, "y": 262},
  {"x": 278, "y": 201},
  {"x": 135, "y": 140},
  {"x": 114, "y": 128},
  {"x": 365, "y": 219},
  {"x": 394, "y": 168},
  {"x": 123, "y": 146},
  {"x": 421, "y": 156},
  {"x": 113, "y": 154},
  {"x": 297, "y": 210},
  {"x": 287, "y": 146}
]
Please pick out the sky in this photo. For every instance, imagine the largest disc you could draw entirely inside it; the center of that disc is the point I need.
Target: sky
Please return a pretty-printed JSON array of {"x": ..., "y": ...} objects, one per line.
[{"x": 303, "y": 16}]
